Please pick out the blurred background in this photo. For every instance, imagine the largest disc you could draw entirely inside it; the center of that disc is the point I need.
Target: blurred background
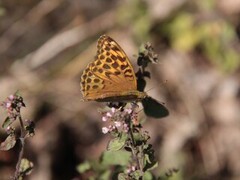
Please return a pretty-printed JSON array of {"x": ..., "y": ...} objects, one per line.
[{"x": 46, "y": 44}]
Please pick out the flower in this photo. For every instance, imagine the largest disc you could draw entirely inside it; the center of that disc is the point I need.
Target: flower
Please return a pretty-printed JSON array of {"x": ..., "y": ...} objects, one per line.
[
  {"x": 117, "y": 123},
  {"x": 128, "y": 171},
  {"x": 104, "y": 118},
  {"x": 129, "y": 111},
  {"x": 109, "y": 114},
  {"x": 113, "y": 110},
  {"x": 8, "y": 105},
  {"x": 11, "y": 97},
  {"x": 105, "y": 130},
  {"x": 133, "y": 168},
  {"x": 125, "y": 127}
]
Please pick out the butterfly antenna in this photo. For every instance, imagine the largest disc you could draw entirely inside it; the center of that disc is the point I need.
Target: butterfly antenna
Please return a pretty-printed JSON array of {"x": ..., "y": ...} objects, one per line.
[
  {"x": 140, "y": 110},
  {"x": 165, "y": 82}
]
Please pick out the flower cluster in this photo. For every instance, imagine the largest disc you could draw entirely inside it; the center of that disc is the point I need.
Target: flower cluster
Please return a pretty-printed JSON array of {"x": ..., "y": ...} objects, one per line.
[
  {"x": 13, "y": 104},
  {"x": 118, "y": 119}
]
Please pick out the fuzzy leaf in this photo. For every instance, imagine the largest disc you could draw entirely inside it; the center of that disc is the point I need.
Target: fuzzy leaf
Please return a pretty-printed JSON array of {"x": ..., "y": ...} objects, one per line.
[
  {"x": 117, "y": 143},
  {"x": 147, "y": 176},
  {"x": 137, "y": 174},
  {"x": 83, "y": 167},
  {"x": 122, "y": 176},
  {"x": 150, "y": 163},
  {"x": 116, "y": 158},
  {"x": 9, "y": 143},
  {"x": 26, "y": 167},
  {"x": 105, "y": 175},
  {"x": 7, "y": 122}
]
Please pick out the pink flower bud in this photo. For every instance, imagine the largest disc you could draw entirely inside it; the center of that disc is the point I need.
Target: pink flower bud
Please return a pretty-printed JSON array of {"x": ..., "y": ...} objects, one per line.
[
  {"x": 8, "y": 128},
  {"x": 117, "y": 123},
  {"x": 105, "y": 130},
  {"x": 109, "y": 114},
  {"x": 104, "y": 119},
  {"x": 11, "y": 97},
  {"x": 129, "y": 111},
  {"x": 133, "y": 168},
  {"x": 113, "y": 110},
  {"x": 8, "y": 105}
]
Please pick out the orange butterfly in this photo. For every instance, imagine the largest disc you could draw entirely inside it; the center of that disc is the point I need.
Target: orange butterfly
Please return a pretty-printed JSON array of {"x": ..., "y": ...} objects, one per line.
[{"x": 110, "y": 77}]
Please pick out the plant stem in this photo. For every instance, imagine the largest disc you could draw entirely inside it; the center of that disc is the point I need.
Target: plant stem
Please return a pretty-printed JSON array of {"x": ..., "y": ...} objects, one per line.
[
  {"x": 22, "y": 140},
  {"x": 135, "y": 148}
]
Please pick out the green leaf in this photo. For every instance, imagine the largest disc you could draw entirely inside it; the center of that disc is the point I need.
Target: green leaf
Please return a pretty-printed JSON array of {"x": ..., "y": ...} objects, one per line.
[
  {"x": 150, "y": 163},
  {"x": 149, "y": 159},
  {"x": 116, "y": 158},
  {"x": 17, "y": 93},
  {"x": 147, "y": 176},
  {"x": 84, "y": 167},
  {"x": 137, "y": 136},
  {"x": 117, "y": 143},
  {"x": 26, "y": 167},
  {"x": 137, "y": 174},
  {"x": 9, "y": 143},
  {"x": 105, "y": 175},
  {"x": 7, "y": 122},
  {"x": 151, "y": 166},
  {"x": 122, "y": 176}
]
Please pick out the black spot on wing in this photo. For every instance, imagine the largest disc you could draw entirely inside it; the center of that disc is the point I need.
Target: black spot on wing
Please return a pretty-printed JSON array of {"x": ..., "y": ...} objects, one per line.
[{"x": 105, "y": 66}]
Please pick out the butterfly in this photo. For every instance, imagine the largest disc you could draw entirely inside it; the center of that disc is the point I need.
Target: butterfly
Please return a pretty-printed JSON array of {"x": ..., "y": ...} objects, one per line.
[{"x": 110, "y": 77}]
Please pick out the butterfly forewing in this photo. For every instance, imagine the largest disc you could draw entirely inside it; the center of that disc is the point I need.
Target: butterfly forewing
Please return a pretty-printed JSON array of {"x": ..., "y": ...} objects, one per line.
[
  {"x": 112, "y": 64},
  {"x": 110, "y": 76}
]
